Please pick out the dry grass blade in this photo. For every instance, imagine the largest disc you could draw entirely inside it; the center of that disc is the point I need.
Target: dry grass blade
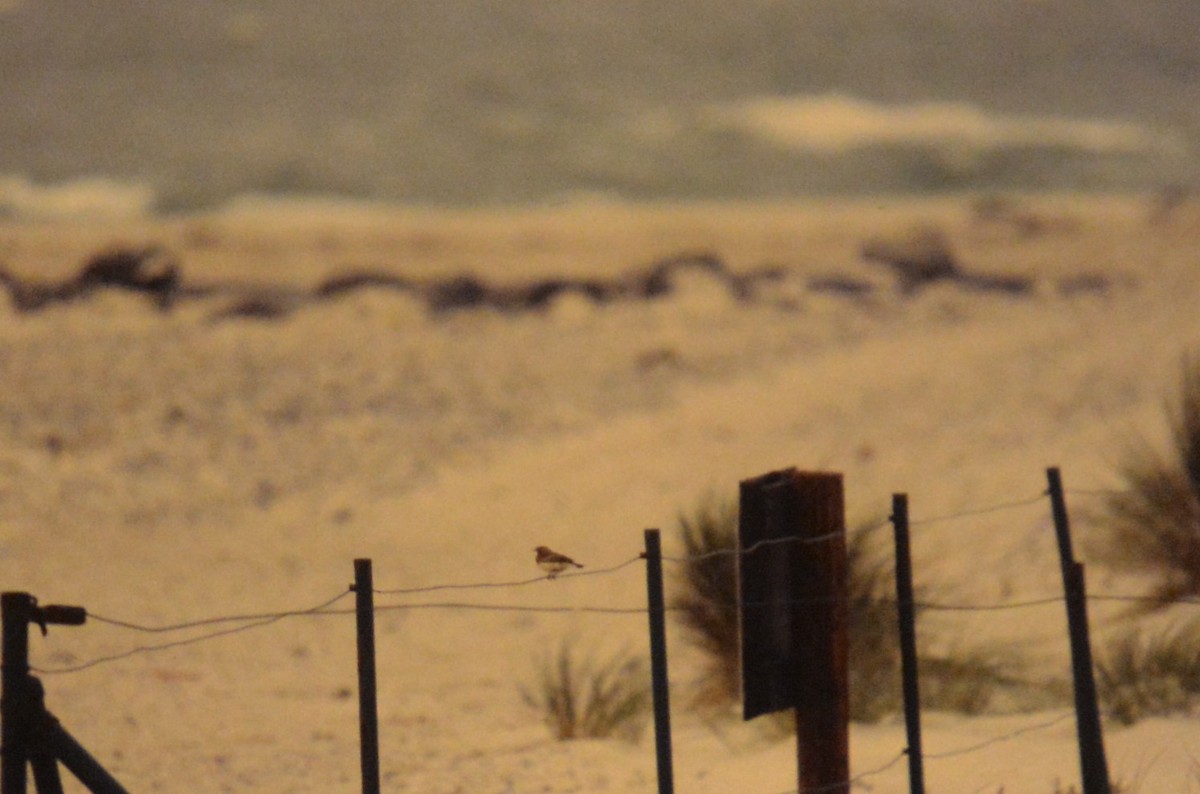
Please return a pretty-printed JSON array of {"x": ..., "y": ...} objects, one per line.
[
  {"x": 1142, "y": 675},
  {"x": 1154, "y": 521},
  {"x": 582, "y": 697},
  {"x": 706, "y": 598}
]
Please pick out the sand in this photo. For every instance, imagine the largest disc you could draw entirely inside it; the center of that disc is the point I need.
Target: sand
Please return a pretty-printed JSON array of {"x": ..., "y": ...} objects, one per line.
[{"x": 166, "y": 467}]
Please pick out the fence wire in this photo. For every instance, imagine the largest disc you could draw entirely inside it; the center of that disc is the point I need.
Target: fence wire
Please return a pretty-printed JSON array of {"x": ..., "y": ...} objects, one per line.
[
  {"x": 257, "y": 620},
  {"x": 518, "y": 583},
  {"x": 249, "y": 621},
  {"x": 972, "y": 748}
]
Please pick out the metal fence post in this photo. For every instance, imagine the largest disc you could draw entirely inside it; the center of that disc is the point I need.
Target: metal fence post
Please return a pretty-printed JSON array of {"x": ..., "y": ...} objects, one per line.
[
  {"x": 368, "y": 713},
  {"x": 1092, "y": 760},
  {"x": 15, "y": 699},
  {"x": 658, "y": 662},
  {"x": 906, "y": 614}
]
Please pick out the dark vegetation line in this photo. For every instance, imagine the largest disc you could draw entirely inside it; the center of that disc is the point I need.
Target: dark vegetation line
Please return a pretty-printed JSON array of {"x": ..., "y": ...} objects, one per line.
[{"x": 156, "y": 273}]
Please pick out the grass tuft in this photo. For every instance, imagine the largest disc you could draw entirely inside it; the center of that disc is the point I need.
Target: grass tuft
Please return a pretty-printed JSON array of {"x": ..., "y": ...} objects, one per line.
[
  {"x": 585, "y": 697},
  {"x": 1153, "y": 522},
  {"x": 964, "y": 680},
  {"x": 970, "y": 679},
  {"x": 707, "y": 597},
  {"x": 1141, "y": 675}
]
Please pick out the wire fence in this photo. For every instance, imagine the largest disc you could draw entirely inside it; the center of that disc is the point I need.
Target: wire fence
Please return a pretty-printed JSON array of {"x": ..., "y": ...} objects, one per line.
[{"x": 246, "y": 622}]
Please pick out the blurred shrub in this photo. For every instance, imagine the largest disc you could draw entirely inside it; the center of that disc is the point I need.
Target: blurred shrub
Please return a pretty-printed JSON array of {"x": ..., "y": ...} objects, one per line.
[
  {"x": 583, "y": 697},
  {"x": 1153, "y": 522},
  {"x": 966, "y": 679},
  {"x": 1141, "y": 675}
]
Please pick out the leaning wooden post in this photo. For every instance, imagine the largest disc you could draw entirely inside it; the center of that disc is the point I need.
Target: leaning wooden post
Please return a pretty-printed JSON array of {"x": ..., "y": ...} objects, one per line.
[
  {"x": 1092, "y": 760},
  {"x": 368, "y": 713},
  {"x": 792, "y": 594},
  {"x": 658, "y": 661},
  {"x": 906, "y": 614}
]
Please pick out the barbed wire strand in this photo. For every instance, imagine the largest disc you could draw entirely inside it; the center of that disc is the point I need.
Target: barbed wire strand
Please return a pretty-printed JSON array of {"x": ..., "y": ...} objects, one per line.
[
  {"x": 979, "y": 511},
  {"x": 320, "y": 609},
  {"x": 1002, "y": 738},
  {"x": 192, "y": 624},
  {"x": 255, "y": 620},
  {"x": 477, "y": 607},
  {"x": 518, "y": 583},
  {"x": 856, "y": 779},
  {"x": 930, "y": 605},
  {"x": 534, "y": 580},
  {"x": 840, "y": 533},
  {"x": 755, "y": 547}
]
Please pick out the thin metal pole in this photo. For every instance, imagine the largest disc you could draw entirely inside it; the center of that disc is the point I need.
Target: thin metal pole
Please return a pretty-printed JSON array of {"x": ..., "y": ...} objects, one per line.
[
  {"x": 368, "y": 714},
  {"x": 658, "y": 661},
  {"x": 1062, "y": 525},
  {"x": 78, "y": 760},
  {"x": 15, "y": 697},
  {"x": 1092, "y": 760},
  {"x": 908, "y": 644}
]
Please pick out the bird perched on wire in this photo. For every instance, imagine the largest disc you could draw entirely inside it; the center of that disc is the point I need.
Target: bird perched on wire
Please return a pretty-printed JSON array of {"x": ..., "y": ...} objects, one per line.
[{"x": 552, "y": 562}]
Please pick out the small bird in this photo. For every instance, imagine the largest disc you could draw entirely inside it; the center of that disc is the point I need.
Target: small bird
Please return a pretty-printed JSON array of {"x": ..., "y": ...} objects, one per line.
[{"x": 552, "y": 562}]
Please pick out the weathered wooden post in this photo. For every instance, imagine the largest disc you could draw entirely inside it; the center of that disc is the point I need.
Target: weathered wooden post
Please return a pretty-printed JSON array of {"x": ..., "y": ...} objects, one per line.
[
  {"x": 793, "y": 609},
  {"x": 1092, "y": 759}
]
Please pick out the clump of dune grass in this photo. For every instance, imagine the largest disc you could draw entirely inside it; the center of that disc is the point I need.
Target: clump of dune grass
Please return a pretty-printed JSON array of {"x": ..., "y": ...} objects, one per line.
[
  {"x": 1153, "y": 521},
  {"x": 582, "y": 696},
  {"x": 965, "y": 679},
  {"x": 971, "y": 679},
  {"x": 873, "y": 635},
  {"x": 1141, "y": 675},
  {"x": 706, "y": 598}
]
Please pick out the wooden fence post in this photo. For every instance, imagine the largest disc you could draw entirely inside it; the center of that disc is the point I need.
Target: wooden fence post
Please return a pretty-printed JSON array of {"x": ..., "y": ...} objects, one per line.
[
  {"x": 792, "y": 596},
  {"x": 368, "y": 713},
  {"x": 906, "y": 614},
  {"x": 1092, "y": 760},
  {"x": 658, "y": 661}
]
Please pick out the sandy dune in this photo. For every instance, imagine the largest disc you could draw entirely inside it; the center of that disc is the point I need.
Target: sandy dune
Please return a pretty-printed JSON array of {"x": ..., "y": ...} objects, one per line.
[{"x": 159, "y": 467}]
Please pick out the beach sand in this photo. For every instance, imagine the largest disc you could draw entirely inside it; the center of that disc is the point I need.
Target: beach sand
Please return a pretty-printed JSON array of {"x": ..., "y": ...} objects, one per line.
[{"x": 160, "y": 467}]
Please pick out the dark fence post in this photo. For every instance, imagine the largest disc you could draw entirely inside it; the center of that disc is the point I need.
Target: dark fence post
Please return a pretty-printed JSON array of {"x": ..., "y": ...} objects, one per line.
[
  {"x": 1092, "y": 760},
  {"x": 906, "y": 614},
  {"x": 792, "y": 602},
  {"x": 658, "y": 661},
  {"x": 32, "y": 735},
  {"x": 16, "y": 698},
  {"x": 368, "y": 715}
]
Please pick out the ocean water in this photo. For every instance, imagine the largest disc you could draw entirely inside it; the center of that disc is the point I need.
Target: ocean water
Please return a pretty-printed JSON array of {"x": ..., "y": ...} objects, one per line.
[{"x": 119, "y": 110}]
